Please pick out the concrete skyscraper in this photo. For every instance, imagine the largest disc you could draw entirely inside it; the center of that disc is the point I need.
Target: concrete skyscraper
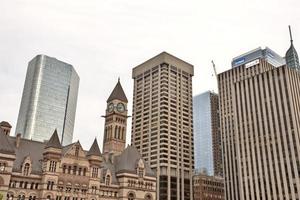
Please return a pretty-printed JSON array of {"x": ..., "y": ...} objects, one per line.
[
  {"x": 162, "y": 123},
  {"x": 207, "y": 137},
  {"x": 260, "y": 126},
  {"x": 49, "y": 100}
]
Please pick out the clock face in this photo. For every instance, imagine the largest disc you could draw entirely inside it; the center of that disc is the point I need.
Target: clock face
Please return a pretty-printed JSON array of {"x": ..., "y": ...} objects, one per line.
[
  {"x": 120, "y": 107},
  {"x": 110, "y": 107}
]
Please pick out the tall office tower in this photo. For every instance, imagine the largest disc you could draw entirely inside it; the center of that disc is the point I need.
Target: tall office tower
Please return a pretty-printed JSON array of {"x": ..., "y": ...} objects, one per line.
[
  {"x": 115, "y": 121},
  {"x": 207, "y": 137},
  {"x": 260, "y": 126},
  {"x": 291, "y": 55},
  {"x": 49, "y": 100},
  {"x": 162, "y": 123}
]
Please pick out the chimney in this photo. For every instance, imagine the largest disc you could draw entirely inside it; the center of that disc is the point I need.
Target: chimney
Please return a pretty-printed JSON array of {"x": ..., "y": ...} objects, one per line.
[{"x": 18, "y": 140}]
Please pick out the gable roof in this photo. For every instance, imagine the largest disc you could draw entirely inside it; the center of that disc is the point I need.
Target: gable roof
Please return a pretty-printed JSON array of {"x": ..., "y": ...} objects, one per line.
[
  {"x": 94, "y": 150},
  {"x": 54, "y": 141},
  {"x": 5, "y": 146},
  {"x": 127, "y": 162},
  {"x": 117, "y": 93}
]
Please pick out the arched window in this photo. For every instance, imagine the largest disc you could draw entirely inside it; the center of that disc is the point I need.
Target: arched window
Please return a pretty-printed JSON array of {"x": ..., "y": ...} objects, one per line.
[
  {"x": 26, "y": 169},
  {"x": 116, "y": 132},
  {"x": 74, "y": 170},
  {"x": 148, "y": 197},
  {"x": 105, "y": 134},
  {"x": 123, "y": 133},
  {"x": 79, "y": 171},
  {"x": 64, "y": 169},
  {"x": 77, "y": 150},
  {"x": 119, "y": 133},
  {"x": 131, "y": 196},
  {"x": 48, "y": 197},
  {"x": 9, "y": 196},
  {"x": 21, "y": 197},
  {"x": 107, "y": 180},
  {"x": 69, "y": 170},
  {"x": 110, "y": 132}
]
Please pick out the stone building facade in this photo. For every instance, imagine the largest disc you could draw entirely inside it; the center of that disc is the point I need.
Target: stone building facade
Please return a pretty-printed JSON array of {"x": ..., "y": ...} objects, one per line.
[
  {"x": 47, "y": 170},
  {"x": 208, "y": 187}
]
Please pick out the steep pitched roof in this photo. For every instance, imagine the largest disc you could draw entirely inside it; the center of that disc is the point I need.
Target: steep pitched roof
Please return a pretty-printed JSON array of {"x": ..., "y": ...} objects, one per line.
[
  {"x": 5, "y": 146},
  {"x": 127, "y": 161},
  {"x": 291, "y": 56},
  {"x": 30, "y": 148},
  {"x": 107, "y": 165},
  {"x": 118, "y": 93},
  {"x": 54, "y": 141},
  {"x": 94, "y": 150},
  {"x": 5, "y": 124}
]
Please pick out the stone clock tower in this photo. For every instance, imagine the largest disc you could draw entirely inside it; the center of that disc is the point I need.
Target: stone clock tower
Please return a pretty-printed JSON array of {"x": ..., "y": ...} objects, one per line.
[{"x": 115, "y": 121}]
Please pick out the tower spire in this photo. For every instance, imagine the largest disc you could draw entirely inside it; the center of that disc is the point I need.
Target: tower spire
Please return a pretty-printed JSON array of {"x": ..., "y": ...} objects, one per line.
[{"x": 290, "y": 30}]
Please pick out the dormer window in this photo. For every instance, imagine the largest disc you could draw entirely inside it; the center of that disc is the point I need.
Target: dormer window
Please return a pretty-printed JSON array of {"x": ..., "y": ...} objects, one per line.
[
  {"x": 77, "y": 151},
  {"x": 107, "y": 180},
  {"x": 26, "y": 169},
  {"x": 140, "y": 169},
  {"x": 141, "y": 172},
  {"x": 2, "y": 167}
]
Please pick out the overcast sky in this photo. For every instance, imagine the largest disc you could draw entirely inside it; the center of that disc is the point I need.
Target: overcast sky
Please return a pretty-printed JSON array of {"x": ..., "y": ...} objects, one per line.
[{"x": 105, "y": 39}]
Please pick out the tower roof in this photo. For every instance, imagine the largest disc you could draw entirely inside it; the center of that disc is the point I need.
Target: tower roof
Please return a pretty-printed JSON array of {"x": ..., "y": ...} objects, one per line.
[
  {"x": 5, "y": 124},
  {"x": 118, "y": 93},
  {"x": 54, "y": 141},
  {"x": 291, "y": 55},
  {"x": 5, "y": 146},
  {"x": 94, "y": 150}
]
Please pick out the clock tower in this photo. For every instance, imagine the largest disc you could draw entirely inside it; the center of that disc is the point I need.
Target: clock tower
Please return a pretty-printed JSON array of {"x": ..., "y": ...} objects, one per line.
[{"x": 115, "y": 121}]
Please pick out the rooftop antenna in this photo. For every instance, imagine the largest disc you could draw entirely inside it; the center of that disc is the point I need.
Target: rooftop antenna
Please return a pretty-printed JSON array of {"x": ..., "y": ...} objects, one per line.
[
  {"x": 215, "y": 70},
  {"x": 290, "y": 30}
]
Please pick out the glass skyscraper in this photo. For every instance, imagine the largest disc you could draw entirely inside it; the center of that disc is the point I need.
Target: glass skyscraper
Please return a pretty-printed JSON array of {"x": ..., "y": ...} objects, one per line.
[
  {"x": 49, "y": 100},
  {"x": 207, "y": 140}
]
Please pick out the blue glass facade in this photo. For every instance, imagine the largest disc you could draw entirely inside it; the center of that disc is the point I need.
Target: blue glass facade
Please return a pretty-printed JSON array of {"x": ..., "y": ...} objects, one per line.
[
  {"x": 203, "y": 139},
  {"x": 267, "y": 54},
  {"x": 49, "y": 100}
]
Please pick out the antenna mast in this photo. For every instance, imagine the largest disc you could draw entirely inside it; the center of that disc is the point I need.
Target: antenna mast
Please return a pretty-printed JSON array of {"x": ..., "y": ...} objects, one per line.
[
  {"x": 290, "y": 33},
  {"x": 215, "y": 70}
]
